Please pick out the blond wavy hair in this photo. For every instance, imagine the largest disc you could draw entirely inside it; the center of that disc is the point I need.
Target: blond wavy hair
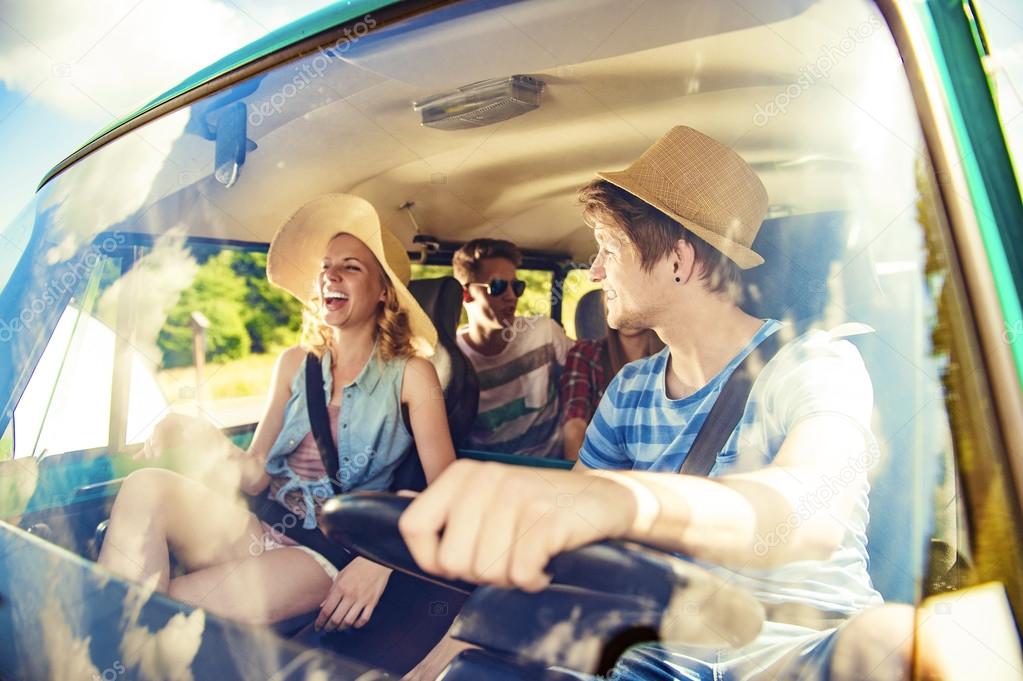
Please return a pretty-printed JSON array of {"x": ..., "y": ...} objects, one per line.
[{"x": 394, "y": 333}]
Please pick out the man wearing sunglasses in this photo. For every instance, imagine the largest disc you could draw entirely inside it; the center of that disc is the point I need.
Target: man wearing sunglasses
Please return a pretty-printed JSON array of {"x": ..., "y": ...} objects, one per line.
[{"x": 518, "y": 359}]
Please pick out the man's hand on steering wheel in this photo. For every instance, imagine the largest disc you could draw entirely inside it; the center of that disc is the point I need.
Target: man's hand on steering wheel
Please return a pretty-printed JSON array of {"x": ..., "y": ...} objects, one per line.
[{"x": 500, "y": 525}]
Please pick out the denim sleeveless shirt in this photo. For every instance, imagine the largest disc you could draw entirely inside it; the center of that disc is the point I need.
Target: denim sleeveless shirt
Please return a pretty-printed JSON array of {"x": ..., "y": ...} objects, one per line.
[{"x": 371, "y": 435}]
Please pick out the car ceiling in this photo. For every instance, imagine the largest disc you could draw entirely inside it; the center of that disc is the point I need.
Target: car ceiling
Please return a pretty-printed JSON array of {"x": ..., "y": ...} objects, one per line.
[{"x": 618, "y": 75}]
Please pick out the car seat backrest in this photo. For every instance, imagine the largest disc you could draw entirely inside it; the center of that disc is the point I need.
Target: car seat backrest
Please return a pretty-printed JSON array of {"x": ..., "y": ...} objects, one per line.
[
  {"x": 441, "y": 299},
  {"x": 791, "y": 284},
  {"x": 811, "y": 277},
  {"x": 589, "y": 316}
]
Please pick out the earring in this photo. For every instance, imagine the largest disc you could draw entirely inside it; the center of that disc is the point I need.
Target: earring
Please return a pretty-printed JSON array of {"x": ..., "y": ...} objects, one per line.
[
  {"x": 678, "y": 280},
  {"x": 466, "y": 296}
]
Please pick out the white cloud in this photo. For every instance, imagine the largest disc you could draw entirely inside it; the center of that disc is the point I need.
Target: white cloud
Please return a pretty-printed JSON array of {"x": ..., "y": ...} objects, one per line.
[{"x": 122, "y": 53}]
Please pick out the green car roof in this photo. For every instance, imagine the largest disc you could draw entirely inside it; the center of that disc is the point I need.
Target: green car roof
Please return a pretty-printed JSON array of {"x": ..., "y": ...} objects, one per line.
[{"x": 309, "y": 25}]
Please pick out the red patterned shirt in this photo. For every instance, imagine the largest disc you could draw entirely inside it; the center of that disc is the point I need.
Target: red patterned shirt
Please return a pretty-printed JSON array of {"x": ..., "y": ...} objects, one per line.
[{"x": 584, "y": 379}]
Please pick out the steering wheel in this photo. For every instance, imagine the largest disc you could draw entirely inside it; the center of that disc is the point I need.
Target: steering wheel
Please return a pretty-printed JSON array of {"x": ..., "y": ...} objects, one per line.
[{"x": 691, "y": 605}]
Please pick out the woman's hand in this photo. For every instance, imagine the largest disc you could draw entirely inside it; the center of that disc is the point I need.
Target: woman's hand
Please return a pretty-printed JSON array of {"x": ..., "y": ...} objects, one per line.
[
  {"x": 437, "y": 660},
  {"x": 353, "y": 596},
  {"x": 498, "y": 524}
]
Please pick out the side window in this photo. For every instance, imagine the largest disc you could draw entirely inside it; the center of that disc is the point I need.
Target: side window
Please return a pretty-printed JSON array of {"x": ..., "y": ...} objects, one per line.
[
  {"x": 66, "y": 405},
  {"x": 217, "y": 344},
  {"x": 577, "y": 284},
  {"x": 430, "y": 271},
  {"x": 537, "y": 298},
  {"x": 191, "y": 328},
  {"x": 7, "y": 443}
]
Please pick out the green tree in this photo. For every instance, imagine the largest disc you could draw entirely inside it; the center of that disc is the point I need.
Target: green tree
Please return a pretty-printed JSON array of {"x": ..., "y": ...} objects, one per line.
[
  {"x": 218, "y": 293},
  {"x": 272, "y": 317},
  {"x": 430, "y": 271},
  {"x": 536, "y": 300}
]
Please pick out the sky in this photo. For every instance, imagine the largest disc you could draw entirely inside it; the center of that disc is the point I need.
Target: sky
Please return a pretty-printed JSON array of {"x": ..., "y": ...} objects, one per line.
[{"x": 69, "y": 68}]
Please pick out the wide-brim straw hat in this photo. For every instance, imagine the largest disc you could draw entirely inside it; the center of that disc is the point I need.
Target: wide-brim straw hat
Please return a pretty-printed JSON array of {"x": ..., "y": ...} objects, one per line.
[
  {"x": 297, "y": 249},
  {"x": 703, "y": 185}
]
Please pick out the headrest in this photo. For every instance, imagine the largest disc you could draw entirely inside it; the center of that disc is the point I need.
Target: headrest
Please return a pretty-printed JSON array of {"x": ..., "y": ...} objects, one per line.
[
  {"x": 590, "y": 321},
  {"x": 799, "y": 254},
  {"x": 441, "y": 299}
]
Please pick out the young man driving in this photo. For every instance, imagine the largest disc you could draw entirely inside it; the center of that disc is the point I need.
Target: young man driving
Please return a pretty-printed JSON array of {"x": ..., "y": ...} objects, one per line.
[
  {"x": 518, "y": 359},
  {"x": 783, "y": 511}
]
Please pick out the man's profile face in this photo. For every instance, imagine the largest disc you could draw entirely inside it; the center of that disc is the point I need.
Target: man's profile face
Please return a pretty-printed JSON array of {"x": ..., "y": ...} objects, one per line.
[
  {"x": 630, "y": 294},
  {"x": 492, "y": 311}
]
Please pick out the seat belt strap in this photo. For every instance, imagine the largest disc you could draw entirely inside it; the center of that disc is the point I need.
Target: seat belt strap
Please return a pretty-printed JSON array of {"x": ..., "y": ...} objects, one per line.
[
  {"x": 319, "y": 419},
  {"x": 728, "y": 409}
]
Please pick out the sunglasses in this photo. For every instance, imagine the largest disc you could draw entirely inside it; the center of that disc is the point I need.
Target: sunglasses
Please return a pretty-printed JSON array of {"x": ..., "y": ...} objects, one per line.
[{"x": 498, "y": 286}]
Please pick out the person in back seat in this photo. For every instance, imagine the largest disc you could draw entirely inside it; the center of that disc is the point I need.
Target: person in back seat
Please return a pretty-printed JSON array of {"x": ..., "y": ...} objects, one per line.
[
  {"x": 363, "y": 339},
  {"x": 589, "y": 367},
  {"x": 518, "y": 359},
  {"x": 780, "y": 508}
]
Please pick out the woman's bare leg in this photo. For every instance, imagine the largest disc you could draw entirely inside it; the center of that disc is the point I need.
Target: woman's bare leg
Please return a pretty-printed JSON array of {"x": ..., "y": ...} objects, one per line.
[
  {"x": 157, "y": 510},
  {"x": 268, "y": 587}
]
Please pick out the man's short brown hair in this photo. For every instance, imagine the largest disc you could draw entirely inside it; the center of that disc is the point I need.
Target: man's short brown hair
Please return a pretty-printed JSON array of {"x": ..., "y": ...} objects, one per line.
[
  {"x": 466, "y": 261},
  {"x": 653, "y": 234}
]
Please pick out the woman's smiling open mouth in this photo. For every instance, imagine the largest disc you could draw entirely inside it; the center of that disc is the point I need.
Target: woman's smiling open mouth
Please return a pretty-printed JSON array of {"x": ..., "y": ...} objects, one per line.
[{"x": 334, "y": 300}]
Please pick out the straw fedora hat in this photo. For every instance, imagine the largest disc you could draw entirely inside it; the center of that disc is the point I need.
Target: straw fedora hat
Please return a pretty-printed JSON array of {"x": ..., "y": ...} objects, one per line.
[
  {"x": 297, "y": 249},
  {"x": 705, "y": 186}
]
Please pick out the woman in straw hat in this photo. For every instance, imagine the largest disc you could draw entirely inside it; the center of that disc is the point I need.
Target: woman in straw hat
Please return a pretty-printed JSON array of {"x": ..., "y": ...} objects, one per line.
[{"x": 368, "y": 336}]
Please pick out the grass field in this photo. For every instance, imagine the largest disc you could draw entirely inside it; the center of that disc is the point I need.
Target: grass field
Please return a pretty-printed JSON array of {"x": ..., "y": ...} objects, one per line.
[
  {"x": 238, "y": 378},
  {"x": 7, "y": 445}
]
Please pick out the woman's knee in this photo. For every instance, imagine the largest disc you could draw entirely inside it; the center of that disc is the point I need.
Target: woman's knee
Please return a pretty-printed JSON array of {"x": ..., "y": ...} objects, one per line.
[
  {"x": 179, "y": 590},
  {"x": 236, "y": 595},
  {"x": 186, "y": 589},
  {"x": 146, "y": 487}
]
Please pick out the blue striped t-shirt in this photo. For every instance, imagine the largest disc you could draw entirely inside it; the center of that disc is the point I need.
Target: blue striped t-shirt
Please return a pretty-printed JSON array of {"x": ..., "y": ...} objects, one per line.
[{"x": 637, "y": 427}]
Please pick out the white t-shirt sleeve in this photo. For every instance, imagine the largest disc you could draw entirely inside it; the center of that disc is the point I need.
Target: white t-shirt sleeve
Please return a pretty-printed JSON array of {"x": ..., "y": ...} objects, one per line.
[{"x": 823, "y": 376}]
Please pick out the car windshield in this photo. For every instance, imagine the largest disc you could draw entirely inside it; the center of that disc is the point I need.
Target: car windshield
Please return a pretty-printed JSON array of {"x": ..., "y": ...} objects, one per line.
[{"x": 139, "y": 287}]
